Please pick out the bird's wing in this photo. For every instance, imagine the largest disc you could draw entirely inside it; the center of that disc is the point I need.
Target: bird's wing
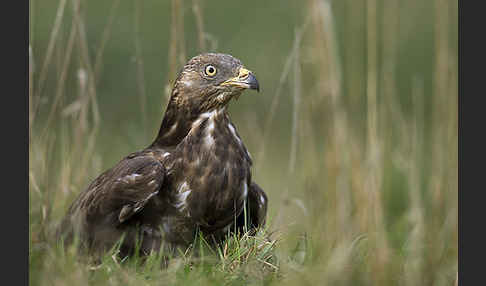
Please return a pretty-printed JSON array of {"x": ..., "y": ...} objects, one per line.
[
  {"x": 126, "y": 188},
  {"x": 257, "y": 200},
  {"x": 256, "y": 210}
]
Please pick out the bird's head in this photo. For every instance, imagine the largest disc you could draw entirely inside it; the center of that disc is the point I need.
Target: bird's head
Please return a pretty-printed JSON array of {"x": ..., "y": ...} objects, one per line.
[{"x": 209, "y": 81}]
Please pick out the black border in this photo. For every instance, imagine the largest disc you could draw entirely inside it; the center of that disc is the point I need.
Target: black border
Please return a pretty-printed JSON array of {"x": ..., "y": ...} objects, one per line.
[
  {"x": 471, "y": 143},
  {"x": 14, "y": 210}
]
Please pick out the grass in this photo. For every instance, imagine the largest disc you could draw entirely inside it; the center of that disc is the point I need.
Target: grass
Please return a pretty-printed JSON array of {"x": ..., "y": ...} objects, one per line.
[
  {"x": 240, "y": 260},
  {"x": 355, "y": 143}
]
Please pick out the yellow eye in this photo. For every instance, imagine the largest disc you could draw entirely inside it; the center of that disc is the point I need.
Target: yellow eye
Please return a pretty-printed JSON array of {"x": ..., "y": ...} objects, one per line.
[{"x": 210, "y": 70}]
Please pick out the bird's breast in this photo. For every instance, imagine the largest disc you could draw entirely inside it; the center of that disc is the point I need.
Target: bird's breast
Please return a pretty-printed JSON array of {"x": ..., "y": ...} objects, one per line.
[{"x": 214, "y": 165}]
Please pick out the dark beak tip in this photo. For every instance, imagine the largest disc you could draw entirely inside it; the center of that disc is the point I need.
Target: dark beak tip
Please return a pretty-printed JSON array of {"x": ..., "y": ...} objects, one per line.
[{"x": 253, "y": 82}]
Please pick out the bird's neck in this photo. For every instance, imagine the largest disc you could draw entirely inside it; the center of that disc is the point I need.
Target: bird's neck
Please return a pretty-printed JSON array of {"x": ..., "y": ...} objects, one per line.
[{"x": 178, "y": 122}]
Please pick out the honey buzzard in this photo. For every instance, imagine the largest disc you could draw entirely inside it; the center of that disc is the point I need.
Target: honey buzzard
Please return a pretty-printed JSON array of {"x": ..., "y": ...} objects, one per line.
[{"x": 195, "y": 176}]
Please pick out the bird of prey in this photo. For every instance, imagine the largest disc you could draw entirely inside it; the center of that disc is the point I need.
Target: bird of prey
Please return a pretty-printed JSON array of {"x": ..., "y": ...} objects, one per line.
[{"x": 195, "y": 176}]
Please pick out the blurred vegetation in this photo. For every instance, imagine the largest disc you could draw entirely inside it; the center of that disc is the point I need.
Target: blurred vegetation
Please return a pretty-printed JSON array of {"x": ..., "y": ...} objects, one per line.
[{"x": 354, "y": 133}]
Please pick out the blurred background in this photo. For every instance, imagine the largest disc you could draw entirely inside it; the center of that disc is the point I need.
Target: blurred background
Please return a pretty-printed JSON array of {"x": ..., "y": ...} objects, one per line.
[{"x": 353, "y": 134}]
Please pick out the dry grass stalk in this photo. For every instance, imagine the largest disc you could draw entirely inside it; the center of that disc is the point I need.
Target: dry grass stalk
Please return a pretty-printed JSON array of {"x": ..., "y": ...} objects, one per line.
[
  {"x": 64, "y": 73},
  {"x": 373, "y": 183},
  {"x": 87, "y": 65},
  {"x": 274, "y": 105},
  {"x": 177, "y": 46},
  {"x": 201, "y": 36},
  {"x": 140, "y": 73},
  {"x": 339, "y": 140},
  {"x": 289, "y": 64},
  {"x": 51, "y": 45},
  {"x": 104, "y": 39},
  {"x": 296, "y": 96},
  {"x": 414, "y": 263}
]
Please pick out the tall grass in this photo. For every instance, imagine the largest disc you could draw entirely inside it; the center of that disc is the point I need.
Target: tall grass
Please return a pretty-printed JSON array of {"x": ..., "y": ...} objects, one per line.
[{"x": 371, "y": 180}]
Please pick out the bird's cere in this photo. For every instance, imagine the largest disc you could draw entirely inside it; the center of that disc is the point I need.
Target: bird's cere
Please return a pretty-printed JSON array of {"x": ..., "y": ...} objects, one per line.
[{"x": 243, "y": 73}]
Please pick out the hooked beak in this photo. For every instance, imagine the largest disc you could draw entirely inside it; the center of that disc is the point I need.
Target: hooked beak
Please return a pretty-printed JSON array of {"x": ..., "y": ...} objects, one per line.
[{"x": 245, "y": 79}]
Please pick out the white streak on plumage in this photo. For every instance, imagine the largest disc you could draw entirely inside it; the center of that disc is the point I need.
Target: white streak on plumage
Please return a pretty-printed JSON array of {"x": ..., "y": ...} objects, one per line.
[
  {"x": 129, "y": 178},
  {"x": 233, "y": 131},
  {"x": 245, "y": 189},
  {"x": 262, "y": 199},
  {"x": 209, "y": 139},
  {"x": 182, "y": 194}
]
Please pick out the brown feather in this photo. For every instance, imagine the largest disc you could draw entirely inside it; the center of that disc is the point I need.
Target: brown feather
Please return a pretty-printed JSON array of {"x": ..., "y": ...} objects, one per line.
[{"x": 194, "y": 176}]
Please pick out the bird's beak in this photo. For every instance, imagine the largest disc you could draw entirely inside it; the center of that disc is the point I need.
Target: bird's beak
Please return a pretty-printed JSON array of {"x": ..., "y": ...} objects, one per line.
[{"x": 245, "y": 79}]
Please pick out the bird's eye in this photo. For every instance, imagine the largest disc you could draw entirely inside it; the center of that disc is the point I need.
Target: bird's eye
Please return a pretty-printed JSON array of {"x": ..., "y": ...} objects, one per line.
[{"x": 210, "y": 70}]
